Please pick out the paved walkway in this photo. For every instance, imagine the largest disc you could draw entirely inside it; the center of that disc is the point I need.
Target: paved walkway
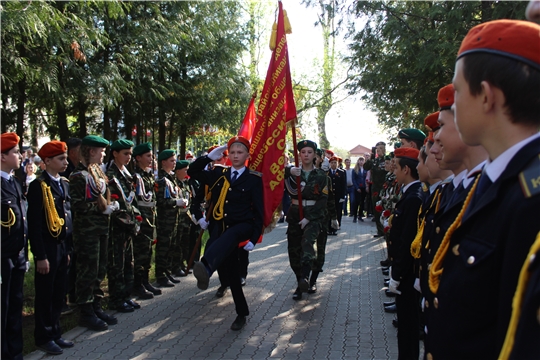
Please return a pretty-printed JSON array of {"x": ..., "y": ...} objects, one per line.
[{"x": 343, "y": 320}]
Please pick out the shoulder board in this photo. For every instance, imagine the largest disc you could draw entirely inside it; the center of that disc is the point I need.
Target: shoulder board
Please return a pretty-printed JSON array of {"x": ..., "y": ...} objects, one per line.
[
  {"x": 529, "y": 179},
  {"x": 64, "y": 178},
  {"x": 220, "y": 166},
  {"x": 259, "y": 174}
]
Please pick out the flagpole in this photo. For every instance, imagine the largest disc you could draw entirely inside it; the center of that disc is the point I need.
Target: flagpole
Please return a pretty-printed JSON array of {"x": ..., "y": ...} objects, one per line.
[{"x": 298, "y": 178}]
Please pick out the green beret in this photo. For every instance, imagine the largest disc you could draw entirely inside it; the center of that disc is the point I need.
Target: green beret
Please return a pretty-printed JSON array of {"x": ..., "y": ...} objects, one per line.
[
  {"x": 181, "y": 164},
  {"x": 307, "y": 143},
  {"x": 319, "y": 152},
  {"x": 389, "y": 157},
  {"x": 122, "y": 144},
  {"x": 142, "y": 149},
  {"x": 95, "y": 141},
  {"x": 397, "y": 145},
  {"x": 165, "y": 154},
  {"x": 411, "y": 134}
]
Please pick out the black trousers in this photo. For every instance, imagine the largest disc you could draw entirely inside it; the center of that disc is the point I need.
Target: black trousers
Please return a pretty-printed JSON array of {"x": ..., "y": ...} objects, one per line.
[
  {"x": 50, "y": 293},
  {"x": 243, "y": 263},
  {"x": 230, "y": 270},
  {"x": 408, "y": 321},
  {"x": 13, "y": 269},
  {"x": 359, "y": 199}
]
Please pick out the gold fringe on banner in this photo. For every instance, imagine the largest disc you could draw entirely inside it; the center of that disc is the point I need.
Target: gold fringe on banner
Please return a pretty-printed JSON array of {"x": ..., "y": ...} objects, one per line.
[{"x": 288, "y": 28}]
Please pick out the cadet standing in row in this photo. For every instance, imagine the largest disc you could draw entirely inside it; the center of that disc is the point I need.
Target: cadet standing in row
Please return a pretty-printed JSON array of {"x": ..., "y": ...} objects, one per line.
[{"x": 178, "y": 256}]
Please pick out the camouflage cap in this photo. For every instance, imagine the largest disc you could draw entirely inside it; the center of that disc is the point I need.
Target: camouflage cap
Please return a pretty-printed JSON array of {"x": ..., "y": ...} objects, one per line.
[
  {"x": 94, "y": 141},
  {"x": 122, "y": 144}
]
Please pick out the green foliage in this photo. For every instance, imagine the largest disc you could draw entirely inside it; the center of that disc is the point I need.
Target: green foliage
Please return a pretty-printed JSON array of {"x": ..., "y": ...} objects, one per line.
[{"x": 403, "y": 52}]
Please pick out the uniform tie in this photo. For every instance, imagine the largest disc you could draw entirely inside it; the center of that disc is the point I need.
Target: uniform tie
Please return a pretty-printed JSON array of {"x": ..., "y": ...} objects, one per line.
[{"x": 234, "y": 177}]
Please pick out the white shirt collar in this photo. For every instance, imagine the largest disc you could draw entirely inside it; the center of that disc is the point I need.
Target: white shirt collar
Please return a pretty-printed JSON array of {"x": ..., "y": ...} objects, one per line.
[
  {"x": 406, "y": 187},
  {"x": 240, "y": 171},
  {"x": 57, "y": 179},
  {"x": 458, "y": 178},
  {"x": 469, "y": 178},
  {"x": 495, "y": 168},
  {"x": 5, "y": 175},
  {"x": 433, "y": 187}
]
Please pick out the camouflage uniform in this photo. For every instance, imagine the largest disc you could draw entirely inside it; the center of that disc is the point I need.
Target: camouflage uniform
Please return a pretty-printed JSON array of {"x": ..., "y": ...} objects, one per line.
[
  {"x": 178, "y": 254},
  {"x": 330, "y": 214},
  {"x": 90, "y": 234},
  {"x": 142, "y": 242},
  {"x": 302, "y": 242},
  {"x": 122, "y": 230},
  {"x": 167, "y": 218},
  {"x": 378, "y": 175}
]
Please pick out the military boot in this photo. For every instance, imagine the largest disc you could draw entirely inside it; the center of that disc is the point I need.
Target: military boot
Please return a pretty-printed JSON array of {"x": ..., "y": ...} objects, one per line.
[
  {"x": 89, "y": 319},
  {"x": 149, "y": 286},
  {"x": 139, "y": 290},
  {"x": 313, "y": 282},
  {"x": 303, "y": 283},
  {"x": 98, "y": 310}
]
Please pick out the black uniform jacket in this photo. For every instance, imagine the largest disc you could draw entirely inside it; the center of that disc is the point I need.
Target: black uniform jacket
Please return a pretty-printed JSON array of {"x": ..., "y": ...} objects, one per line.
[
  {"x": 404, "y": 227},
  {"x": 243, "y": 198},
  {"x": 339, "y": 183},
  {"x": 14, "y": 237},
  {"x": 482, "y": 265},
  {"x": 38, "y": 232}
]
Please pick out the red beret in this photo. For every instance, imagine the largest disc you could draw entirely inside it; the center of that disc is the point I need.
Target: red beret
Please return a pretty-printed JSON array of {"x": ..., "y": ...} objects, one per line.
[
  {"x": 333, "y": 158},
  {"x": 445, "y": 98},
  {"x": 212, "y": 148},
  {"x": 431, "y": 122},
  {"x": 239, "y": 139},
  {"x": 430, "y": 138},
  {"x": 52, "y": 148},
  {"x": 9, "y": 141},
  {"x": 407, "y": 153},
  {"x": 189, "y": 156},
  {"x": 330, "y": 152},
  {"x": 515, "y": 39}
]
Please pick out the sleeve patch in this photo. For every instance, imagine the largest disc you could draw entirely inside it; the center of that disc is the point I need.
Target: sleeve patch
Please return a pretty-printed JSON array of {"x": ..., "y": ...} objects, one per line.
[
  {"x": 259, "y": 174},
  {"x": 529, "y": 179}
]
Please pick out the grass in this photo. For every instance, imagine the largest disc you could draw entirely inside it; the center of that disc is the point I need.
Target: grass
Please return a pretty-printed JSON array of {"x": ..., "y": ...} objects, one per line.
[{"x": 69, "y": 321}]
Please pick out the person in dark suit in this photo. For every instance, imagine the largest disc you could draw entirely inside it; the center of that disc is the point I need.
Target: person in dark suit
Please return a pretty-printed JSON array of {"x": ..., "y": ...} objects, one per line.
[
  {"x": 49, "y": 213},
  {"x": 14, "y": 248},
  {"x": 402, "y": 234},
  {"x": 236, "y": 215},
  {"x": 481, "y": 258},
  {"x": 339, "y": 184},
  {"x": 360, "y": 193}
]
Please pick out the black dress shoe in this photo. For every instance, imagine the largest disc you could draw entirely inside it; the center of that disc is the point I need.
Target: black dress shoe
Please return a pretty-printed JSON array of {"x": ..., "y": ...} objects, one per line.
[
  {"x": 388, "y": 303},
  {"x": 312, "y": 288},
  {"x": 125, "y": 308},
  {"x": 221, "y": 291},
  {"x": 201, "y": 274},
  {"x": 297, "y": 294},
  {"x": 243, "y": 281},
  {"x": 390, "y": 309},
  {"x": 172, "y": 279},
  {"x": 238, "y": 323},
  {"x": 152, "y": 289},
  {"x": 164, "y": 282},
  {"x": 395, "y": 323},
  {"x": 385, "y": 268},
  {"x": 133, "y": 304},
  {"x": 389, "y": 293},
  {"x": 386, "y": 272},
  {"x": 142, "y": 293},
  {"x": 386, "y": 279},
  {"x": 385, "y": 262},
  {"x": 180, "y": 273},
  {"x": 386, "y": 283},
  {"x": 64, "y": 343},
  {"x": 51, "y": 348},
  {"x": 360, "y": 219}
]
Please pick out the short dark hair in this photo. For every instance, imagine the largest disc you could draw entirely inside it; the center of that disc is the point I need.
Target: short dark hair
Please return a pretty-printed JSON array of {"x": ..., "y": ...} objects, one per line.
[
  {"x": 423, "y": 154},
  {"x": 518, "y": 81},
  {"x": 72, "y": 143},
  {"x": 411, "y": 164},
  {"x": 380, "y": 143}
]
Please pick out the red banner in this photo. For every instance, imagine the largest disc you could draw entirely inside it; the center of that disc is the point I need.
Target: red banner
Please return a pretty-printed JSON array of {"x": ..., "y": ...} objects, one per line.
[
  {"x": 276, "y": 108},
  {"x": 246, "y": 130}
]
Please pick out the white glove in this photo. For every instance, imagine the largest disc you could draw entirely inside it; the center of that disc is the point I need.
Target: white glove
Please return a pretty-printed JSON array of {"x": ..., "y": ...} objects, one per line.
[
  {"x": 393, "y": 285},
  {"x": 325, "y": 164},
  {"x": 116, "y": 205},
  {"x": 249, "y": 246},
  {"x": 203, "y": 223},
  {"x": 334, "y": 224},
  {"x": 181, "y": 203},
  {"x": 417, "y": 285},
  {"x": 137, "y": 228},
  {"x": 27, "y": 266},
  {"x": 341, "y": 200},
  {"x": 110, "y": 209},
  {"x": 303, "y": 223},
  {"x": 217, "y": 153},
  {"x": 296, "y": 171}
]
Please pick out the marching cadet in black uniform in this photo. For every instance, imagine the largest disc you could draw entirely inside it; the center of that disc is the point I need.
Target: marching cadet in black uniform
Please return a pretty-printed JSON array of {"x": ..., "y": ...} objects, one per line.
[
  {"x": 403, "y": 232},
  {"x": 236, "y": 215},
  {"x": 339, "y": 185},
  {"x": 49, "y": 212},
  {"x": 14, "y": 247},
  {"x": 481, "y": 256}
]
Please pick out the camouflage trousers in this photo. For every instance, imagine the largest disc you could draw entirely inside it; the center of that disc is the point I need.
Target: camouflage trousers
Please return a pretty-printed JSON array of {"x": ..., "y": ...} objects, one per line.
[
  {"x": 302, "y": 243},
  {"x": 142, "y": 250},
  {"x": 91, "y": 265},
  {"x": 120, "y": 266},
  {"x": 321, "y": 247},
  {"x": 166, "y": 233},
  {"x": 377, "y": 215},
  {"x": 178, "y": 254}
]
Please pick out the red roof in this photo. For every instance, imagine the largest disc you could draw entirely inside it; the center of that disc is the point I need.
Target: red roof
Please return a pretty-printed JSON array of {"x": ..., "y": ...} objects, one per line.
[{"x": 359, "y": 150}]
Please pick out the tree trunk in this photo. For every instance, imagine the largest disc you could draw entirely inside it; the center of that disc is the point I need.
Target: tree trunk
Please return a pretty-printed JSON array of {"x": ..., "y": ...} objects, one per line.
[
  {"x": 106, "y": 122},
  {"x": 162, "y": 129},
  {"x": 21, "y": 86},
  {"x": 61, "y": 120},
  {"x": 81, "y": 118}
]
